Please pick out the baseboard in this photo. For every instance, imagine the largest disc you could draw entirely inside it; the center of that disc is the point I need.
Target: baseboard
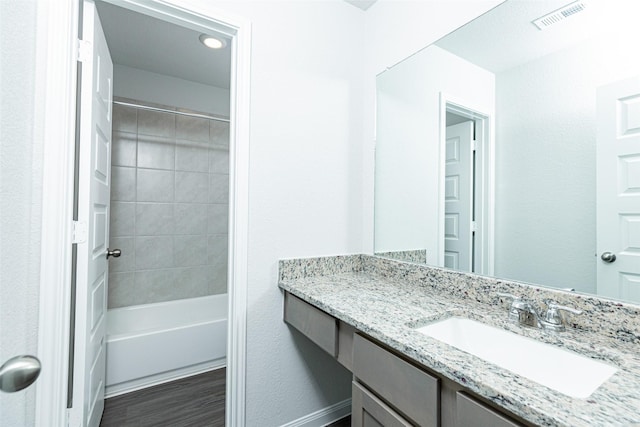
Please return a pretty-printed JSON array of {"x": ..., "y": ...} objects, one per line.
[
  {"x": 323, "y": 416},
  {"x": 163, "y": 377}
]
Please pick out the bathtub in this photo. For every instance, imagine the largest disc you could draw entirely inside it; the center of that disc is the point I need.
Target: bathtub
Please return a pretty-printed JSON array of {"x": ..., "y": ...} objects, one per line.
[{"x": 155, "y": 343}]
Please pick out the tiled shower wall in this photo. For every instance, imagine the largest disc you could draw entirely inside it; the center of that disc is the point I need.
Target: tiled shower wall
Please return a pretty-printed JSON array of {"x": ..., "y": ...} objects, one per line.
[{"x": 169, "y": 206}]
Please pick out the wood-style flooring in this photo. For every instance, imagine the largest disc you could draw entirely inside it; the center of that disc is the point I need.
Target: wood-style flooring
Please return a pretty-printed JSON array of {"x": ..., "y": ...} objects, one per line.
[
  {"x": 196, "y": 401},
  {"x": 344, "y": 422}
]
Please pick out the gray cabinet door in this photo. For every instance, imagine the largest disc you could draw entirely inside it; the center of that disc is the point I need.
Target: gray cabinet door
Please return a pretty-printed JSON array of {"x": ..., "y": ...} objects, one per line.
[
  {"x": 472, "y": 413},
  {"x": 369, "y": 411},
  {"x": 415, "y": 393}
]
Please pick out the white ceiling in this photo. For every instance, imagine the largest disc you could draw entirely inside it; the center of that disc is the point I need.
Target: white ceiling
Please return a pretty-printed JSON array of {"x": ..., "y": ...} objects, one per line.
[
  {"x": 505, "y": 37},
  {"x": 146, "y": 43},
  {"x": 500, "y": 39}
]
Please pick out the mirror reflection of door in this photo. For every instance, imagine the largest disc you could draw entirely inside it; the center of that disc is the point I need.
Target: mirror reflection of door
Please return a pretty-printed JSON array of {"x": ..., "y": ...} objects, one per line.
[
  {"x": 618, "y": 190},
  {"x": 458, "y": 197}
]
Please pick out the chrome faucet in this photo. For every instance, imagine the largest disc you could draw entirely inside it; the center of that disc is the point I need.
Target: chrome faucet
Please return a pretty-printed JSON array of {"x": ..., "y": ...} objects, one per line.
[
  {"x": 524, "y": 313},
  {"x": 554, "y": 319},
  {"x": 527, "y": 314}
]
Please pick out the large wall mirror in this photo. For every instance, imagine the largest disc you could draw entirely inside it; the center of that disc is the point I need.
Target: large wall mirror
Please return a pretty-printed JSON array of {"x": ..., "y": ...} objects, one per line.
[{"x": 511, "y": 148}]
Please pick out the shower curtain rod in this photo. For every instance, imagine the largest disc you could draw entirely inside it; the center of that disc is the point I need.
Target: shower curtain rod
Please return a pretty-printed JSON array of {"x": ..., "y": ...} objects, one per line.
[{"x": 165, "y": 110}]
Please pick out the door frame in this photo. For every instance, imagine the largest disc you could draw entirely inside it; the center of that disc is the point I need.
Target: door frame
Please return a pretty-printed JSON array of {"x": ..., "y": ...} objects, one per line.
[
  {"x": 56, "y": 86},
  {"x": 485, "y": 178}
]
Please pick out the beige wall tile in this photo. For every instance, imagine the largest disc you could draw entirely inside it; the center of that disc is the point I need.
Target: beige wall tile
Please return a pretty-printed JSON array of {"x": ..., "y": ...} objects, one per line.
[
  {"x": 156, "y": 123},
  {"x": 125, "y": 119},
  {"x": 192, "y": 128},
  {"x": 169, "y": 212}
]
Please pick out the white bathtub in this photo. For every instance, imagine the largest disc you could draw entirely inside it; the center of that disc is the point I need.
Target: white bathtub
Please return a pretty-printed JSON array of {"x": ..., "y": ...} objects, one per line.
[{"x": 155, "y": 343}]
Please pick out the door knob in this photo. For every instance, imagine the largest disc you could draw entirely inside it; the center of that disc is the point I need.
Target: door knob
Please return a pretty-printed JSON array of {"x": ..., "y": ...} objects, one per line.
[
  {"x": 19, "y": 372},
  {"x": 608, "y": 257},
  {"x": 114, "y": 253}
]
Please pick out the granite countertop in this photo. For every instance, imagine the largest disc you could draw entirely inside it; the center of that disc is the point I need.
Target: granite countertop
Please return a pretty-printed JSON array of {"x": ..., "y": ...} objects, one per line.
[{"x": 386, "y": 299}]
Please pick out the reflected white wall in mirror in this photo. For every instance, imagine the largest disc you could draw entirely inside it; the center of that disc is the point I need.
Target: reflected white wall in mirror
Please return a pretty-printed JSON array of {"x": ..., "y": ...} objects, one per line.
[
  {"x": 540, "y": 88},
  {"x": 407, "y": 168}
]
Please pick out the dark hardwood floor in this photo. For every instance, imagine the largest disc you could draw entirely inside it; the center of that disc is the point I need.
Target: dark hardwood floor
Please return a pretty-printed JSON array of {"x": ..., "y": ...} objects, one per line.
[
  {"x": 196, "y": 401},
  {"x": 344, "y": 422}
]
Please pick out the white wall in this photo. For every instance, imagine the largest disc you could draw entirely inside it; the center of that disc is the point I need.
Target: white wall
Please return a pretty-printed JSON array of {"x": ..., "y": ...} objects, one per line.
[
  {"x": 305, "y": 186},
  {"x": 397, "y": 29},
  {"x": 20, "y": 199},
  {"x": 546, "y": 162},
  {"x": 143, "y": 86},
  {"x": 407, "y": 176}
]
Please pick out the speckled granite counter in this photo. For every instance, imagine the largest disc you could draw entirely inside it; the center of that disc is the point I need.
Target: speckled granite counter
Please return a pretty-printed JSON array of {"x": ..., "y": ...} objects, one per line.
[{"x": 386, "y": 299}]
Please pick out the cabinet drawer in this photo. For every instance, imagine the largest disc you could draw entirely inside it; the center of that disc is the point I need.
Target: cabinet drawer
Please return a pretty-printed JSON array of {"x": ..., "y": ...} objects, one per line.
[
  {"x": 409, "y": 389},
  {"x": 369, "y": 411},
  {"x": 317, "y": 325},
  {"x": 472, "y": 413}
]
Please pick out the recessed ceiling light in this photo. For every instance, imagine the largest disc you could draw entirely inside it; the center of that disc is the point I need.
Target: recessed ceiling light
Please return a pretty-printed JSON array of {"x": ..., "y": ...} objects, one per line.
[{"x": 212, "y": 42}]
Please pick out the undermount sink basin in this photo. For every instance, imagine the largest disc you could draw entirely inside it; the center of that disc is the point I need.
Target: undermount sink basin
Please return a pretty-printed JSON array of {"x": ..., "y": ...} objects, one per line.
[{"x": 556, "y": 368}]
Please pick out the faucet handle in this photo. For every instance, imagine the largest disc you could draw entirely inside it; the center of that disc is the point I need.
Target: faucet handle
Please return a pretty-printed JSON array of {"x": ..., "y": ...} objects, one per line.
[
  {"x": 553, "y": 318},
  {"x": 507, "y": 295},
  {"x": 514, "y": 315},
  {"x": 551, "y": 304}
]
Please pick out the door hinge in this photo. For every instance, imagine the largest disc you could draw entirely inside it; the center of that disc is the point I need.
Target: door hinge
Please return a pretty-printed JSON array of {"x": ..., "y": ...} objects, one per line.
[
  {"x": 79, "y": 232},
  {"x": 474, "y": 226},
  {"x": 84, "y": 51}
]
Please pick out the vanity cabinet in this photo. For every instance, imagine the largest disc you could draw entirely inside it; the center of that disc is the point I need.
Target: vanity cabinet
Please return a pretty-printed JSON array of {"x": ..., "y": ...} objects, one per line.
[
  {"x": 388, "y": 390},
  {"x": 409, "y": 389},
  {"x": 471, "y": 412},
  {"x": 367, "y": 410}
]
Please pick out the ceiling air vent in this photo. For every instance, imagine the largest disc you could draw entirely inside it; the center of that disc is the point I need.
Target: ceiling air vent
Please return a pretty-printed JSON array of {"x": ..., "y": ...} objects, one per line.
[{"x": 559, "y": 15}]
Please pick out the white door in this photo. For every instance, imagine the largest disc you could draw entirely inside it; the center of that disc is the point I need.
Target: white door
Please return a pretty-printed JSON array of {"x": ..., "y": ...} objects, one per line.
[
  {"x": 458, "y": 197},
  {"x": 618, "y": 190},
  {"x": 93, "y": 210}
]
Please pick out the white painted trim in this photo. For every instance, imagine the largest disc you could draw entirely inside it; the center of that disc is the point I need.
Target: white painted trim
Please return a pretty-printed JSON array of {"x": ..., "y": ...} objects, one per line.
[
  {"x": 58, "y": 77},
  {"x": 163, "y": 377},
  {"x": 487, "y": 189},
  {"x": 491, "y": 197},
  {"x": 238, "y": 226},
  {"x": 56, "y": 83},
  {"x": 324, "y": 416},
  {"x": 442, "y": 131}
]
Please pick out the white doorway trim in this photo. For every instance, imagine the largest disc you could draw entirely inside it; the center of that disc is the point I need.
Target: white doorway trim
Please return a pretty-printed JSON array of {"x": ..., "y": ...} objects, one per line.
[
  {"x": 485, "y": 178},
  {"x": 56, "y": 86},
  {"x": 56, "y": 82}
]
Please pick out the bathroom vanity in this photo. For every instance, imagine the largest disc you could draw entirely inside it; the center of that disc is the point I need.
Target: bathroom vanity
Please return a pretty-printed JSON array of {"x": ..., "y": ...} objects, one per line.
[
  {"x": 387, "y": 386},
  {"x": 366, "y": 311}
]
